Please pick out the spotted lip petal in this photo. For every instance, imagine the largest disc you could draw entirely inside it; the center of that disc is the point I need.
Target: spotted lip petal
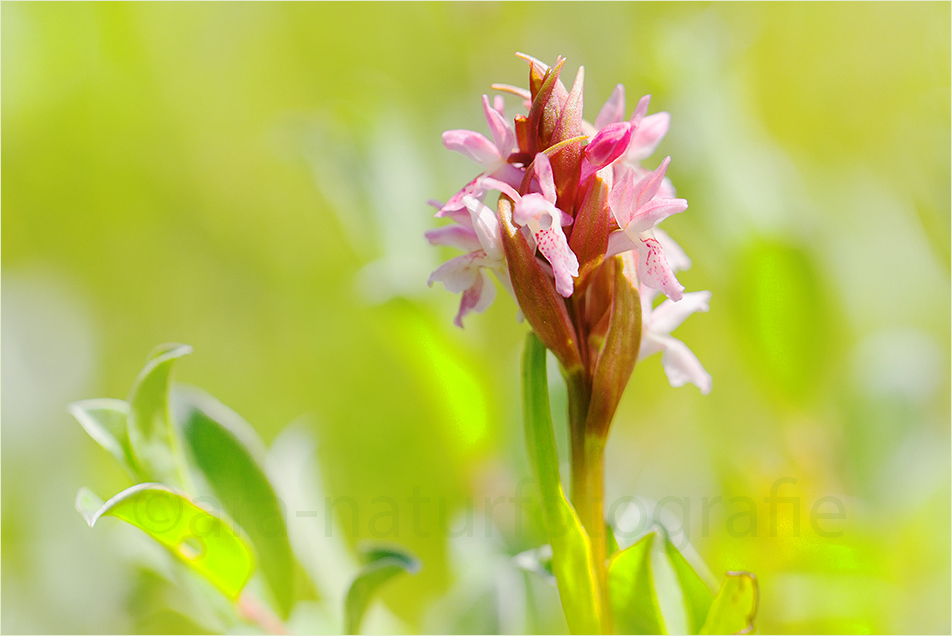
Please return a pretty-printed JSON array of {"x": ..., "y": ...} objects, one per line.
[{"x": 654, "y": 271}]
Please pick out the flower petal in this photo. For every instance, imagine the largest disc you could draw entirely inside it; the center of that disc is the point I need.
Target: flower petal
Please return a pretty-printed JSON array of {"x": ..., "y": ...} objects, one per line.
[
  {"x": 622, "y": 196},
  {"x": 454, "y": 236},
  {"x": 473, "y": 145},
  {"x": 476, "y": 298},
  {"x": 650, "y": 344},
  {"x": 655, "y": 211},
  {"x": 677, "y": 259},
  {"x": 543, "y": 170},
  {"x": 647, "y": 136},
  {"x": 485, "y": 226},
  {"x": 614, "y": 109},
  {"x": 475, "y": 188},
  {"x": 458, "y": 274},
  {"x": 641, "y": 109},
  {"x": 669, "y": 315},
  {"x": 619, "y": 242},
  {"x": 555, "y": 248},
  {"x": 653, "y": 269},
  {"x": 502, "y": 133},
  {"x": 533, "y": 209},
  {"x": 647, "y": 187},
  {"x": 682, "y": 366},
  {"x": 606, "y": 146}
]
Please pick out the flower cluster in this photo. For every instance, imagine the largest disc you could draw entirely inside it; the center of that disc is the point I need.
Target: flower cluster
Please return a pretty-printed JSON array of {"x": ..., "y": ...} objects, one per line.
[{"x": 573, "y": 236}]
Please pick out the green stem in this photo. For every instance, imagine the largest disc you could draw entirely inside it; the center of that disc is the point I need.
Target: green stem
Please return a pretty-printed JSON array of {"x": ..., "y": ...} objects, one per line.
[{"x": 588, "y": 485}]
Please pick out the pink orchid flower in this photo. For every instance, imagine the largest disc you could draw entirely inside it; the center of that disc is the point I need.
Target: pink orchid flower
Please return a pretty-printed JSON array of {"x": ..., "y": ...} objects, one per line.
[
  {"x": 638, "y": 209},
  {"x": 492, "y": 155},
  {"x": 647, "y": 130},
  {"x": 679, "y": 362},
  {"x": 537, "y": 213},
  {"x": 475, "y": 230}
]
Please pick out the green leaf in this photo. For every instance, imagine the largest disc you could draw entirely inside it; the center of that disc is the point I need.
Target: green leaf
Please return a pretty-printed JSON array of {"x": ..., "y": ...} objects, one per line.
[
  {"x": 698, "y": 597},
  {"x": 230, "y": 455},
  {"x": 88, "y": 504},
  {"x": 106, "y": 421},
  {"x": 734, "y": 607},
  {"x": 631, "y": 589},
  {"x": 203, "y": 541},
  {"x": 152, "y": 438},
  {"x": 571, "y": 546},
  {"x": 381, "y": 565}
]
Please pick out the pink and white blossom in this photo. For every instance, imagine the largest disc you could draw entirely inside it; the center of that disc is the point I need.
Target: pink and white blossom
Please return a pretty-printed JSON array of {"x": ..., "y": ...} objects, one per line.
[
  {"x": 536, "y": 211},
  {"x": 647, "y": 130},
  {"x": 492, "y": 156},
  {"x": 475, "y": 230},
  {"x": 679, "y": 362},
  {"x": 637, "y": 209}
]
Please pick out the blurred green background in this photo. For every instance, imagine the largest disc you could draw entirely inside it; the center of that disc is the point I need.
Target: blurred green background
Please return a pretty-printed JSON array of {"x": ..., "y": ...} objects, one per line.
[{"x": 251, "y": 179}]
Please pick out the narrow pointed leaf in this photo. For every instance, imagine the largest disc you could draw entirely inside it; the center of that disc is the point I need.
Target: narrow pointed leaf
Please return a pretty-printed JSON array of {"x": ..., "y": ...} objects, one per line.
[
  {"x": 735, "y": 606},
  {"x": 541, "y": 304},
  {"x": 381, "y": 566},
  {"x": 154, "y": 443},
  {"x": 698, "y": 597},
  {"x": 632, "y": 592},
  {"x": 201, "y": 540},
  {"x": 228, "y": 452},
  {"x": 106, "y": 421},
  {"x": 619, "y": 352},
  {"x": 571, "y": 546}
]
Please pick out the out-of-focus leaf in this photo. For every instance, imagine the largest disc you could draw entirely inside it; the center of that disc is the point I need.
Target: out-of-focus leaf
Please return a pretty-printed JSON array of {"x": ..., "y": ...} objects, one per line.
[
  {"x": 88, "y": 504},
  {"x": 697, "y": 595},
  {"x": 152, "y": 438},
  {"x": 632, "y": 592},
  {"x": 230, "y": 455},
  {"x": 381, "y": 565},
  {"x": 779, "y": 292},
  {"x": 203, "y": 541},
  {"x": 735, "y": 606},
  {"x": 106, "y": 421},
  {"x": 571, "y": 547}
]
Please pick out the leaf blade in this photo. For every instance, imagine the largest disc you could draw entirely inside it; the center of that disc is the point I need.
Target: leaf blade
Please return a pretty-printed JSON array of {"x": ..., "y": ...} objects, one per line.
[
  {"x": 735, "y": 606},
  {"x": 698, "y": 597},
  {"x": 228, "y": 452},
  {"x": 382, "y": 565},
  {"x": 151, "y": 436},
  {"x": 107, "y": 421},
  {"x": 203, "y": 541},
  {"x": 631, "y": 589}
]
